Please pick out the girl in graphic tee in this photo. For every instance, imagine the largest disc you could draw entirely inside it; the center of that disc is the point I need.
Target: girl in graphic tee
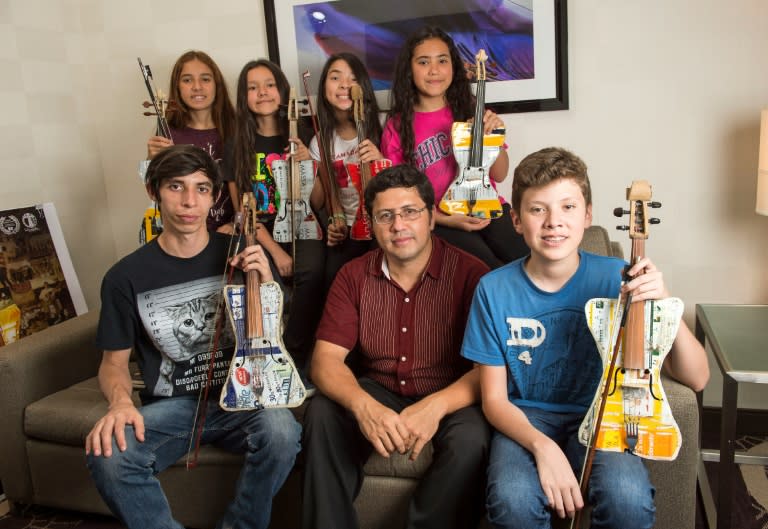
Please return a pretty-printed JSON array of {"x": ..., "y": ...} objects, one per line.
[{"x": 262, "y": 135}]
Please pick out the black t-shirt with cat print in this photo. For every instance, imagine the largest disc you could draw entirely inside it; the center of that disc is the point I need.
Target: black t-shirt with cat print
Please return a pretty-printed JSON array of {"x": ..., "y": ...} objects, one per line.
[{"x": 164, "y": 307}]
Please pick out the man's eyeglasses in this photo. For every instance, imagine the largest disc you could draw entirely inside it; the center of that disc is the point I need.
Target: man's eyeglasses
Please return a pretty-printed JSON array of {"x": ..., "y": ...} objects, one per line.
[{"x": 388, "y": 216}]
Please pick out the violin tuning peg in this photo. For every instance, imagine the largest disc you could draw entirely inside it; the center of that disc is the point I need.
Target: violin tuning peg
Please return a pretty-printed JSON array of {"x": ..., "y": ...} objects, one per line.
[
  {"x": 622, "y": 228},
  {"x": 146, "y": 104},
  {"x": 150, "y": 114},
  {"x": 619, "y": 212},
  {"x": 654, "y": 221},
  {"x": 654, "y": 204}
]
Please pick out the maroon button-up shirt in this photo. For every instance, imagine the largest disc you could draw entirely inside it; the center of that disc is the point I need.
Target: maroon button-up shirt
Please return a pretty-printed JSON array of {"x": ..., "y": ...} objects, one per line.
[{"x": 409, "y": 341}]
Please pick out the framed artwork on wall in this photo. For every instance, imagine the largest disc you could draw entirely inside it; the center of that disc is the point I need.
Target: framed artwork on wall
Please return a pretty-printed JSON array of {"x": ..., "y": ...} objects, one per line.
[{"x": 526, "y": 41}]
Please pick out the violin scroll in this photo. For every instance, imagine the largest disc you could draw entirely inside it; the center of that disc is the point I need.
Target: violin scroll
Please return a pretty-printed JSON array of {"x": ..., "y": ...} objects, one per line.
[
  {"x": 639, "y": 196},
  {"x": 156, "y": 99}
]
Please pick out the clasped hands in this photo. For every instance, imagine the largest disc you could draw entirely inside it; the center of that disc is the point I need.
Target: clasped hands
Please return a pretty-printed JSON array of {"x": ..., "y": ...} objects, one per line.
[{"x": 407, "y": 431}]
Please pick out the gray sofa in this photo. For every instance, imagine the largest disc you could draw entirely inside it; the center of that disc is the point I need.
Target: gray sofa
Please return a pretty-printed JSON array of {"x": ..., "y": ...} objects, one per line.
[{"x": 49, "y": 399}]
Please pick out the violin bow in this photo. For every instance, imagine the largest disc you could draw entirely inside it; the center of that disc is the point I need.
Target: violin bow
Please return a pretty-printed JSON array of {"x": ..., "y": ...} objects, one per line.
[
  {"x": 327, "y": 179},
  {"x": 198, "y": 424},
  {"x": 358, "y": 112},
  {"x": 586, "y": 469},
  {"x": 294, "y": 186}
]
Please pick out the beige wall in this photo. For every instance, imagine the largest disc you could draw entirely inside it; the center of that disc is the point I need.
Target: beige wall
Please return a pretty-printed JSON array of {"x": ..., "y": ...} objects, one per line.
[{"x": 668, "y": 91}]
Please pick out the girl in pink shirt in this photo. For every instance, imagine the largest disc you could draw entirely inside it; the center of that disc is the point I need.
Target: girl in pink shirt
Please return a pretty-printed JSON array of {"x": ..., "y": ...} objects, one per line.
[{"x": 430, "y": 91}]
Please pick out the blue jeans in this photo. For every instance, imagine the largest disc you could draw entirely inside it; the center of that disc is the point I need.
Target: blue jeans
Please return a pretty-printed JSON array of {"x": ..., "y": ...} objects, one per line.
[
  {"x": 620, "y": 490},
  {"x": 127, "y": 480}
]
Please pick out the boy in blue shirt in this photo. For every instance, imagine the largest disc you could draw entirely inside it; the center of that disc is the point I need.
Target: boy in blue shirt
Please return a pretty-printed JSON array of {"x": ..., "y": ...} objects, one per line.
[{"x": 540, "y": 367}]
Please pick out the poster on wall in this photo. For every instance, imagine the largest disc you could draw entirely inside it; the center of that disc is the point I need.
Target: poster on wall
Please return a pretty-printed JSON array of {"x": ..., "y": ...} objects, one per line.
[{"x": 38, "y": 285}]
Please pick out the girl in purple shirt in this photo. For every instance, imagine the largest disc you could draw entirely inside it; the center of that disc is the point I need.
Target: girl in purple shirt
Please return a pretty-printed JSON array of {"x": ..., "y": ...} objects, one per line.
[{"x": 200, "y": 113}]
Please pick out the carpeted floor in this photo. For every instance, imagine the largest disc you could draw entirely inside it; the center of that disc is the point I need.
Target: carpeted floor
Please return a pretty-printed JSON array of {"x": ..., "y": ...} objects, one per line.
[
  {"x": 35, "y": 517},
  {"x": 750, "y": 499},
  {"x": 750, "y": 491}
]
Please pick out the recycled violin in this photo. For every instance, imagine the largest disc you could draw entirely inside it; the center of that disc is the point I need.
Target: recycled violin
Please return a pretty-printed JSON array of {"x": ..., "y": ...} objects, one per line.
[
  {"x": 151, "y": 224},
  {"x": 294, "y": 181},
  {"x": 630, "y": 412},
  {"x": 360, "y": 173},
  {"x": 262, "y": 373},
  {"x": 472, "y": 193}
]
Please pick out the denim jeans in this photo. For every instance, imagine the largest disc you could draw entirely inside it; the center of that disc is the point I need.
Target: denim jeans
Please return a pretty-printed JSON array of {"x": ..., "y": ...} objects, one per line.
[
  {"x": 127, "y": 480},
  {"x": 620, "y": 490}
]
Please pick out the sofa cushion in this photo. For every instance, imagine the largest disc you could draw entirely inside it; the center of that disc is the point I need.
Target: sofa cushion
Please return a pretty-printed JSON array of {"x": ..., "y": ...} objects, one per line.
[
  {"x": 596, "y": 240},
  {"x": 398, "y": 465},
  {"x": 66, "y": 416}
]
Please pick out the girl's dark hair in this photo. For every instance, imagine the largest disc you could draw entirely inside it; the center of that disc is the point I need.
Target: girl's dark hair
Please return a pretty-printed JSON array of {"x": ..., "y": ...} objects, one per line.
[
  {"x": 404, "y": 95},
  {"x": 222, "y": 112},
  {"x": 247, "y": 127},
  {"x": 326, "y": 114},
  {"x": 405, "y": 176},
  {"x": 181, "y": 160}
]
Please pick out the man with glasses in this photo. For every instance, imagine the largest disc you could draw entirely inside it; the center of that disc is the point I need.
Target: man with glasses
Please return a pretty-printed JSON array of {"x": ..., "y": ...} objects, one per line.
[{"x": 403, "y": 308}]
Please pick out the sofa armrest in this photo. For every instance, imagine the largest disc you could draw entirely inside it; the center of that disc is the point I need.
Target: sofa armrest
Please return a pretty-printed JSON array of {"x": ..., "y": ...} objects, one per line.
[
  {"x": 31, "y": 368},
  {"x": 675, "y": 481}
]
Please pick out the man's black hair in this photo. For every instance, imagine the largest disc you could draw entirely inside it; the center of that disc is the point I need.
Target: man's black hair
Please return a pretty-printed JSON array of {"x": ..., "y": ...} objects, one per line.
[
  {"x": 181, "y": 160},
  {"x": 404, "y": 176}
]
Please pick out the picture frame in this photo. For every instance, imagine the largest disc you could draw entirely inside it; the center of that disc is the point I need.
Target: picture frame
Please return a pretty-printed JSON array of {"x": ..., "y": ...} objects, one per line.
[{"x": 544, "y": 88}]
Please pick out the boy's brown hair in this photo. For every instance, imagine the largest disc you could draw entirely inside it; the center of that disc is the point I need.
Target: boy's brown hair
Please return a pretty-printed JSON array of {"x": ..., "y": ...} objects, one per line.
[{"x": 548, "y": 165}]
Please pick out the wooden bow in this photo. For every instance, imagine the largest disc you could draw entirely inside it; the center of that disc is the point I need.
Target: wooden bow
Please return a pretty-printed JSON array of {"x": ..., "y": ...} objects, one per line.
[
  {"x": 198, "y": 424},
  {"x": 327, "y": 175}
]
